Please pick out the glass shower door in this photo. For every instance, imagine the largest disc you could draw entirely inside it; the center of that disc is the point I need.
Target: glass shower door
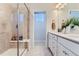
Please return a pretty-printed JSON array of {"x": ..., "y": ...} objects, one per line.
[{"x": 22, "y": 28}]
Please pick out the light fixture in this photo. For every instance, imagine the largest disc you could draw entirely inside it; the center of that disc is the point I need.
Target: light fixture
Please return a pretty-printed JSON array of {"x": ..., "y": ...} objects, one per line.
[
  {"x": 57, "y": 6},
  {"x": 60, "y": 5}
]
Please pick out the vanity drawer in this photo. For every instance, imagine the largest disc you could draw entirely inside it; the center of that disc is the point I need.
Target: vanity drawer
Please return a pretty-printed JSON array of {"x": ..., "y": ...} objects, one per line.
[
  {"x": 52, "y": 36},
  {"x": 74, "y": 47},
  {"x": 62, "y": 51}
]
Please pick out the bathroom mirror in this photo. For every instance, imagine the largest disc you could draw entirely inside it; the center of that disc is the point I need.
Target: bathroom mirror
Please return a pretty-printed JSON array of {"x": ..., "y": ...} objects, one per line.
[{"x": 68, "y": 11}]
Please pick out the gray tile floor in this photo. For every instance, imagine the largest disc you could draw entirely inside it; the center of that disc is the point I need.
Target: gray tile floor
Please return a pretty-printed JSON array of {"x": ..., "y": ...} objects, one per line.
[{"x": 38, "y": 51}]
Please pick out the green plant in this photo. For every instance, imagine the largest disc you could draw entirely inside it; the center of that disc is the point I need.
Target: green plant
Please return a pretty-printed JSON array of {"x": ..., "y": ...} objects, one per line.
[
  {"x": 66, "y": 23},
  {"x": 74, "y": 21}
]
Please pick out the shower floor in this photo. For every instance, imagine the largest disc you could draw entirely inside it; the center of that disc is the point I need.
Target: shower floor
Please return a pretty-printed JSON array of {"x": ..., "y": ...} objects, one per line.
[{"x": 11, "y": 52}]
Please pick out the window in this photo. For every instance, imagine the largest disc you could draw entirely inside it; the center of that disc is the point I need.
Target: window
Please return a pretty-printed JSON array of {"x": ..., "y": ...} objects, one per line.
[{"x": 74, "y": 14}]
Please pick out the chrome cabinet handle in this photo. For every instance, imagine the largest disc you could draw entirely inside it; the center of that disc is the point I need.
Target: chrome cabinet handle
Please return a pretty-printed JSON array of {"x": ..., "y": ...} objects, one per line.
[{"x": 65, "y": 53}]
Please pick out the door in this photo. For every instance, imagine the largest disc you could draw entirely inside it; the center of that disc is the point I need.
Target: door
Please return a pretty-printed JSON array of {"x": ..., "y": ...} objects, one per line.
[{"x": 39, "y": 28}]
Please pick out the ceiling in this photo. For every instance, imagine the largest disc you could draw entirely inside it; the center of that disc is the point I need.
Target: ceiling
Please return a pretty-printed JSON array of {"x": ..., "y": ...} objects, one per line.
[{"x": 44, "y": 6}]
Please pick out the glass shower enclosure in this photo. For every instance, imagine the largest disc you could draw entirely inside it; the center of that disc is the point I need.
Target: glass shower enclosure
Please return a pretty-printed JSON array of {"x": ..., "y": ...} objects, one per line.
[{"x": 14, "y": 28}]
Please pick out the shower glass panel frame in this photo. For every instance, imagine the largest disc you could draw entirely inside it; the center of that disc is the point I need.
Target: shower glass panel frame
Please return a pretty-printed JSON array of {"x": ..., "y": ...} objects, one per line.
[{"x": 22, "y": 28}]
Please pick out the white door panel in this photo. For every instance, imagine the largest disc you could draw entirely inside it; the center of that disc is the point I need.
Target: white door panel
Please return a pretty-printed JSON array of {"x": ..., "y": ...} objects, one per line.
[{"x": 39, "y": 26}]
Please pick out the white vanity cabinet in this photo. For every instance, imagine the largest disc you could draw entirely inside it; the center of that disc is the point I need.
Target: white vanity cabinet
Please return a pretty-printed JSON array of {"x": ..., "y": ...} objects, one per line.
[
  {"x": 72, "y": 46},
  {"x": 63, "y": 46},
  {"x": 62, "y": 51},
  {"x": 53, "y": 44}
]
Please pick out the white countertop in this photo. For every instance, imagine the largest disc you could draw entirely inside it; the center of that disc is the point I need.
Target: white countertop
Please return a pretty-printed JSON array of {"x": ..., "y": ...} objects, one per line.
[{"x": 73, "y": 37}]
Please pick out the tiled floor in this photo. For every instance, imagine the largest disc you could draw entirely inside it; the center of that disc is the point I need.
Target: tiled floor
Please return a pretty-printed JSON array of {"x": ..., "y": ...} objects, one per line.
[
  {"x": 38, "y": 51},
  {"x": 12, "y": 52}
]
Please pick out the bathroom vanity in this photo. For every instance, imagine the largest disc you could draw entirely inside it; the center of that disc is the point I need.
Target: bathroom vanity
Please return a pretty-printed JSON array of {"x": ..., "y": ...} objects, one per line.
[{"x": 60, "y": 44}]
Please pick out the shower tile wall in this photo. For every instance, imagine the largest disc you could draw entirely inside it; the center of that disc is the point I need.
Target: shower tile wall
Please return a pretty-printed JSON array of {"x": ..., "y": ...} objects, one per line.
[{"x": 5, "y": 29}]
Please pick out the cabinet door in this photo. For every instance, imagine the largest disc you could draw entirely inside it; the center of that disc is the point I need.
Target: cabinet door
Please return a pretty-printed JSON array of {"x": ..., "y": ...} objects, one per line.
[
  {"x": 54, "y": 47},
  {"x": 50, "y": 41},
  {"x": 62, "y": 51},
  {"x": 52, "y": 44},
  {"x": 70, "y": 45}
]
